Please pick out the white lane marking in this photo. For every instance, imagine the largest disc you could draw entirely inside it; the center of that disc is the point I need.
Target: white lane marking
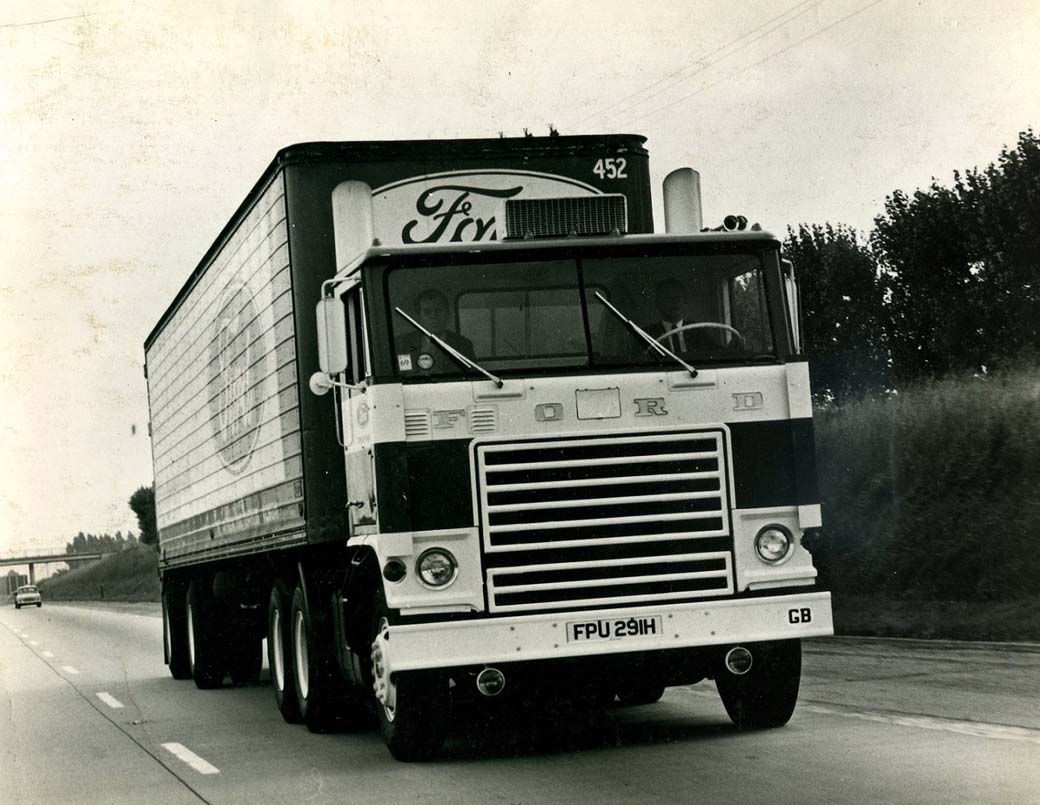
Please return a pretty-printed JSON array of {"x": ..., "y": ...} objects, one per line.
[
  {"x": 110, "y": 700},
  {"x": 34, "y": 642},
  {"x": 69, "y": 669},
  {"x": 48, "y": 655},
  {"x": 183, "y": 753}
]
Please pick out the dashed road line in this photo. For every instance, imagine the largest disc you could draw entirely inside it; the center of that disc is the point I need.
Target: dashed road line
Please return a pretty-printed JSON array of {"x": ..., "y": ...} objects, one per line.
[
  {"x": 48, "y": 655},
  {"x": 69, "y": 669},
  {"x": 110, "y": 700},
  {"x": 183, "y": 753},
  {"x": 34, "y": 642}
]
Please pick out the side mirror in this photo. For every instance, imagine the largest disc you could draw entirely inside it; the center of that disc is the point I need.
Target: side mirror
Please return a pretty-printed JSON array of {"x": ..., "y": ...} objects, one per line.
[
  {"x": 794, "y": 305},
  {"x": 332, "y": 336}
]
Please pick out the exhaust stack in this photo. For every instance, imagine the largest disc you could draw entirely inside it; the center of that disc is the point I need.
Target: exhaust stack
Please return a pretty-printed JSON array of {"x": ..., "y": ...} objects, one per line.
[{"x": 682, "y": 202}]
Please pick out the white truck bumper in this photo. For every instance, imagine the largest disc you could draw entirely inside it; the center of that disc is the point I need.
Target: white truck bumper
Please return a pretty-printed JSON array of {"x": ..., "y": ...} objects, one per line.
[{"x": 614, "y": 631}]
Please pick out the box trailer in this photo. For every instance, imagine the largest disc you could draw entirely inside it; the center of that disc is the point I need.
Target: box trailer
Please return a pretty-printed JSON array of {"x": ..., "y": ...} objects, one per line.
[{"x": 561, "y": 455}]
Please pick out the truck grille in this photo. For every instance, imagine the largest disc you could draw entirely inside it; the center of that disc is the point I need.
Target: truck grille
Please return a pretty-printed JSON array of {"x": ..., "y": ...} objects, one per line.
[{"x": 597, "y": 522}]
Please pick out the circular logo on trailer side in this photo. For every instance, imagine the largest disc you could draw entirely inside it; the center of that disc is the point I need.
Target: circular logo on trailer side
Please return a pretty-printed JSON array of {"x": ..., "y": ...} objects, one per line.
[{"x": 236, "y": 373}]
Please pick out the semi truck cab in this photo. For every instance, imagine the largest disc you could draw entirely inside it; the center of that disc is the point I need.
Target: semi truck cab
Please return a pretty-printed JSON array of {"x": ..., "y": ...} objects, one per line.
[{"x": 563, "y": 448}]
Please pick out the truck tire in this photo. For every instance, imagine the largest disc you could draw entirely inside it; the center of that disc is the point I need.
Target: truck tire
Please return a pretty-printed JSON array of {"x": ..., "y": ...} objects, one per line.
[
  {"x": 279, "y": 652},
  {"x": 204, "y": 651},
  {"x": 637, "y": 695},
  {"x": 325, "y": 703},
  {"x": 765, "y": 696},
  {"x": 175, "y": 632},
  {"x": 415, "y": 708}
]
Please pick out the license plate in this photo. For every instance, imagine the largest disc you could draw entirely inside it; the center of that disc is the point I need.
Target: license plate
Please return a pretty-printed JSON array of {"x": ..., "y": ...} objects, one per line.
[{"x": 614, "y": 628}]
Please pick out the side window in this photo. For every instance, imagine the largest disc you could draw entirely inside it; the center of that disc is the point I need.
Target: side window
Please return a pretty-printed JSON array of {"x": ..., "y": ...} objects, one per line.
[
  {"x": 355, "y": 335},
  {"x": 747, "y": 310}
]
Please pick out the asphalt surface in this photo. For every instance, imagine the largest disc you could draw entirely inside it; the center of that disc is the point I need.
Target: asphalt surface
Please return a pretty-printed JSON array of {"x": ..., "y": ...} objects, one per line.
[{"x": 88, "y": 713}]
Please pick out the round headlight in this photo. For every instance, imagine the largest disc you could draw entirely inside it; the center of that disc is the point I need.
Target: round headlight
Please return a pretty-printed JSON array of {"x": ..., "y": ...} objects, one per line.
[
  {"x": 773, "y": 544},
  {"x": 436, "y": 567}
]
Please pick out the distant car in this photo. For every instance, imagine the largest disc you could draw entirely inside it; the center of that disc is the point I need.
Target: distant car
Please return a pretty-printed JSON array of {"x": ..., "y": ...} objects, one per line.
[{"x": 26, "y": 596}]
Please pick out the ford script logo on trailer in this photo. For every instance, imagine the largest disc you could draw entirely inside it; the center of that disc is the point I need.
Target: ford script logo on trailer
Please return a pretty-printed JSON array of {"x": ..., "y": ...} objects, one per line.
[
  {"x": 459, "y": 207},
  {"x": 236, "y": 373}
]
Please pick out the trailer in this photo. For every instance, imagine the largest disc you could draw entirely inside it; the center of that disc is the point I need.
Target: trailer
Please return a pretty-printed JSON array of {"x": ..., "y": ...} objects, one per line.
[{"x": 446, "y": 420}]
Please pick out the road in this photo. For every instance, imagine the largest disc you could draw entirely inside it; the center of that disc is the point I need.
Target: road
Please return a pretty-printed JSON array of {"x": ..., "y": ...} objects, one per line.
[{"x": 89, "y": 714}]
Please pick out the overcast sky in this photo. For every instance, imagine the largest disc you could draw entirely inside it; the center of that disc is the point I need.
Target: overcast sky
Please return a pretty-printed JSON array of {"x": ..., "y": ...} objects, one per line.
[{"x": 129, "y": 132}]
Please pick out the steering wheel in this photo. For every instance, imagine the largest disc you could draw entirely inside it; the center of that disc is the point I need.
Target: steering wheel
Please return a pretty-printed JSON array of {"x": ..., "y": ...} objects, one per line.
[{"x": 700, "y": 324}]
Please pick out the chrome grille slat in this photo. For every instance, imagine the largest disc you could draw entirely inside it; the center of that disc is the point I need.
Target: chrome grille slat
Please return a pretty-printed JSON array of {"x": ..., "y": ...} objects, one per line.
[
  {"x": 520, "y": 507},
  {"x": 630, "y": 479},
  {"x": 643, "y": 518},
  {"x": 681, "y": 508},
  {"x": 552, "y": 465}
]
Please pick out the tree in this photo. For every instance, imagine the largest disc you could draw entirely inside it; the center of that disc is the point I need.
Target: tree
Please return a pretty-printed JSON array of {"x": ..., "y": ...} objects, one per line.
[
  {"x": 961, "y": 268},
  {"x": 142, "y": 502},
  {"x": 842, "y": 309}
]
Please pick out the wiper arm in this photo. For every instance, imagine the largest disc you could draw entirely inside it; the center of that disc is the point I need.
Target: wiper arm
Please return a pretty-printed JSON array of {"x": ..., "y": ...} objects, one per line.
[
  {"x": 452, "y": 352},
  {"x": 659, "y": 348}
]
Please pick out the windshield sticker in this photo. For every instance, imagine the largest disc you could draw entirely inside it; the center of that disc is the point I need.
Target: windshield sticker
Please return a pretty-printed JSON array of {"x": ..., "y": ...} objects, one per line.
[
  {"x": 404, "y": 362},
  {"x": 425, "y": 361}
]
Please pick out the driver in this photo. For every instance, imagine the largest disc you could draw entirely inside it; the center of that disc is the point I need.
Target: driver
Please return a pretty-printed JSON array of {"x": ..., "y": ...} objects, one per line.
[{"x": 670, "y": 297}]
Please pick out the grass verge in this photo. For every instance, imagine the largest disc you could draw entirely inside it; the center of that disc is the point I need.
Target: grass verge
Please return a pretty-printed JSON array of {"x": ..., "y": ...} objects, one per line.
[{"x": 129, "y": 575}]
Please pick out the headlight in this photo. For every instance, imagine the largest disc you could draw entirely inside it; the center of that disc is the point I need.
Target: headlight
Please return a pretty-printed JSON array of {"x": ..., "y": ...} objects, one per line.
[
  {"x": 436, "y": 567},
  {"x": 774, "y": 544}
]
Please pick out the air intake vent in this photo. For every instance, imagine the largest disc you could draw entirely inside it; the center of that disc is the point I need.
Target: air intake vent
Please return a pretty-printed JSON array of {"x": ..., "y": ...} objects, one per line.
[
  {"x": 416, "y": 423},
  {"x": 561, "y": 217},
  {"x": 483, "y": 419}
]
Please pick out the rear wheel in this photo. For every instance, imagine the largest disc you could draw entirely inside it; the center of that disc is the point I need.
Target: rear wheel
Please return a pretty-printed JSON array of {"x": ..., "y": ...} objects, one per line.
[
  {"x": 325, "y": 703},
  {"x": 175, "y": 632},
  {"x": 279, "y": 652},
  {"x": 412, "y": 707},
  {"x": 204, "y": 650},
  {"x": 765, "y": 696}
]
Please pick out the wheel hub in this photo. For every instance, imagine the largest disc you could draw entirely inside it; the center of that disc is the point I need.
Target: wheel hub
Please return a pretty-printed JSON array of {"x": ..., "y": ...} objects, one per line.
[{"x": 383, "y": 685}]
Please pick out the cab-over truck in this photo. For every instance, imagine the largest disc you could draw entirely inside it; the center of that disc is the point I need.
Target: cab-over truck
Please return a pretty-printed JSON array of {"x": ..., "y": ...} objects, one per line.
[{"x": 419, "y": 419}]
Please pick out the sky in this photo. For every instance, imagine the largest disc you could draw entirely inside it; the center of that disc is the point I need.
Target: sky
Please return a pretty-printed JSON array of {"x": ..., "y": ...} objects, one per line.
[{"x": 130, "y": 131}]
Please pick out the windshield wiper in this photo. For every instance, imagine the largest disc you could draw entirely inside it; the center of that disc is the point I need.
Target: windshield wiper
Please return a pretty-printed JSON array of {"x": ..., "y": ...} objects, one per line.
[
  {"x": 661, "y": 349},
  {"x": 452, "y": 352}
]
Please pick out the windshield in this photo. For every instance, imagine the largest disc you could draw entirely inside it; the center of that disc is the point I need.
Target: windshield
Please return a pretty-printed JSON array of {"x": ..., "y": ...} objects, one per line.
[{"x": 545, "y": 314}]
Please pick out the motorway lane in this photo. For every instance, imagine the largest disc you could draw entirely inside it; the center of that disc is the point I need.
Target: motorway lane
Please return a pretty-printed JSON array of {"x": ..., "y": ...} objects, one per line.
[{"x": 899, "y": 721}]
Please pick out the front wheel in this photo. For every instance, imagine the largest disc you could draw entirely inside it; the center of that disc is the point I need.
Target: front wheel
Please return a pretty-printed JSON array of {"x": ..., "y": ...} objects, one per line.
[
  {"x": 412, "y": 707},
  {"x": 765, "y": 696}
]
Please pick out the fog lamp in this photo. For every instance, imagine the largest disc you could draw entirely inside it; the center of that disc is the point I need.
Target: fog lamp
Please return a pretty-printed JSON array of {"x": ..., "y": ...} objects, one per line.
[
  {"x": 394, "y": 570},
  {"x": 773, "y": 544},
  {"x": 436, "y": 567}
]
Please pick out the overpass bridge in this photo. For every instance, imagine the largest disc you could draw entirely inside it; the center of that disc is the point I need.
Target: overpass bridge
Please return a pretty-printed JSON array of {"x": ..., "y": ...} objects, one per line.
[{"x": 44, "y": 557}]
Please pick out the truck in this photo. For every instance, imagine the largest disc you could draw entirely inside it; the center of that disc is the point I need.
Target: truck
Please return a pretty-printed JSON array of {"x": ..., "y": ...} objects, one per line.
[{"x": 445, "y": 422}]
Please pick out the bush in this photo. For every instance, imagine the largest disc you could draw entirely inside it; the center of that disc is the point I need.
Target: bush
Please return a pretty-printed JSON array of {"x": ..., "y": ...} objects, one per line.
[{"x": 931, "y": 493}]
